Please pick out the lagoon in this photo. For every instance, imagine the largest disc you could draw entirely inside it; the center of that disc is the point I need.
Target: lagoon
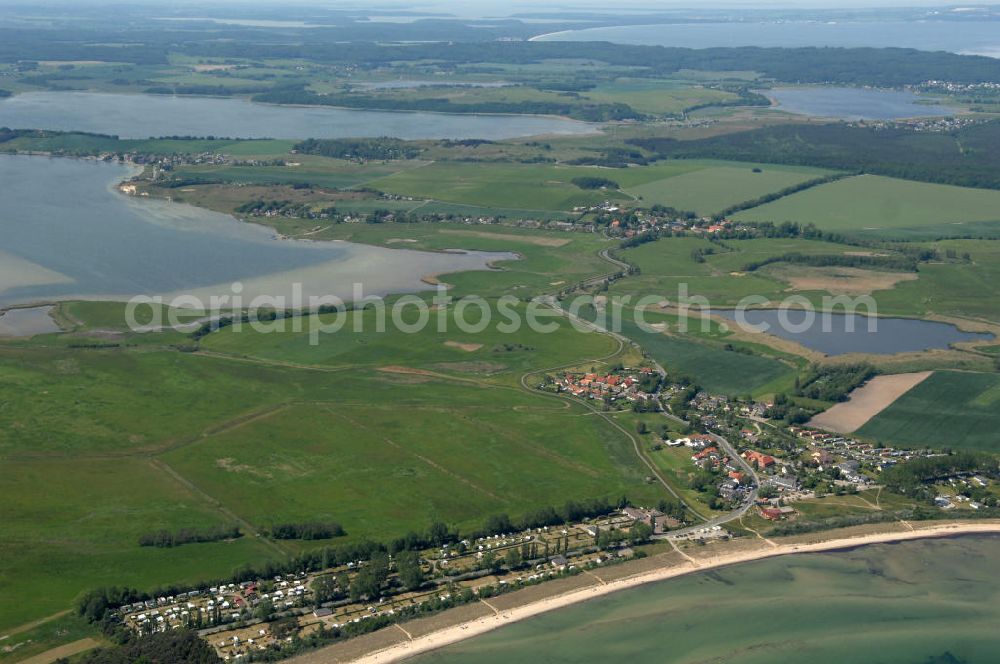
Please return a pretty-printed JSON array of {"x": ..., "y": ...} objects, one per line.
[
  {"x": 839, "y": 334},
  {"x": 925, "y": 601},
  {"x": 69, "y": 234},
  {"x": 145, "y": 116},
  {"x": 855, "y": 103}
]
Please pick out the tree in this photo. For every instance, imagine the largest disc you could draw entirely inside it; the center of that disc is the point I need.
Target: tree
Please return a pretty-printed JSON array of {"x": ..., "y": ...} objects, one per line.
[
  {"x": 438, "y": 534},
  {"x": 639, "y": 532},
  {"x": 264, "y": 610},
  {"x": 167, "y": 647},
  {"x": 411, "y": 574},
  {"x": 369, "y": 580},
  {"x": 513, "y": 559},
  {"x": 490, "y": 561},
  {"x": 324, "y": 589}
]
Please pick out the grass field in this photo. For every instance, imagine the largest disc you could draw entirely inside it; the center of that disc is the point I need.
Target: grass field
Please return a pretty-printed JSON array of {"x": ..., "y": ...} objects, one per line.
[
  {"x": 72, "y": 524},
  {"x": 959, "y": 410},
  {"x": 716, "y": 188},
  {"x": 385, "y": 434},
  {"x": 702, "y": 186},
  {"x": 714, "y": 368},
  {"x": 952, "y": 288},
  {"x": 316, "y": 171},
  {"x": 667, "y": 265},
  {"x": 525, "y": 187},
  {"x": 873, "y": 202},
  {"x": 427, "y": 451},
  {"x": 657, "y": 97},
  {"x": 957, "y": 289}
]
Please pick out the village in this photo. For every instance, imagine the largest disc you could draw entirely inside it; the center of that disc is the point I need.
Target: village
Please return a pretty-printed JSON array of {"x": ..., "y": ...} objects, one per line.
[{"x": 624, "y": 386}]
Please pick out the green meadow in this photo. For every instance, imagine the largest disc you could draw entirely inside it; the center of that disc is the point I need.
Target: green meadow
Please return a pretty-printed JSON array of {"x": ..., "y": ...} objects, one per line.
[
  {"x": 871, "y": 202},
  {"x": 72, "y": 523},
  {"x": 970, "y": 290},
  {"x": 946, "y": 287},
  {"x": 519, "y": 186},
  {"x": 408, "y": 451},
  {"x": 669, "y": 265},
  {"x": 713, "y": 367},
  {"x": 307, "y": 169},
  {"x": 656, "y": 97},
  {"x": 698, "y": 185},
  {"x": 715, "y": 188},
  {"x": 951, "y": 409},
  {"x": 382, "y": 432}
]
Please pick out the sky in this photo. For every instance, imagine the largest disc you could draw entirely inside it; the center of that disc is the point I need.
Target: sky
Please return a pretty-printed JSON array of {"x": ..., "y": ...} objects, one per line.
[{"x": 505, "y": 7}]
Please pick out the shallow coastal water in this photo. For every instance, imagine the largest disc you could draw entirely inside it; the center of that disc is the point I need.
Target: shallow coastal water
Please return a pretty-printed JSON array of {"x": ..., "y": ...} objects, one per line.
[
  {"x": 855, "y": 103},
  {"x": 972, "y": 37},
  {"x": 69, "y": 234},
  {"x": 838, "y": 334},
  {"x": 918, "y": 602},
  {"x": 27, "y": 322},
  {"x": 144, "y": 116}
]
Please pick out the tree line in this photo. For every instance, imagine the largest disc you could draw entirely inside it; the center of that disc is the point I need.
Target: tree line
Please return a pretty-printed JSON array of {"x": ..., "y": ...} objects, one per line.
[
  {"x": 781, "y": 193},
  {"x": 898, "y": 263},
  {"x": 307, "y": 530},
  {"x": 589, "y": 182},
  {"x": 360, "y": 149},
  {"x": 168, "y": 538},
  {"x": 833, "y": 383}
]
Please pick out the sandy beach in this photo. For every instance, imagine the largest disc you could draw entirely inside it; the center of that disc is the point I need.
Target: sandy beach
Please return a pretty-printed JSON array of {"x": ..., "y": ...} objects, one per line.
[{"x": 472, "y": 628}]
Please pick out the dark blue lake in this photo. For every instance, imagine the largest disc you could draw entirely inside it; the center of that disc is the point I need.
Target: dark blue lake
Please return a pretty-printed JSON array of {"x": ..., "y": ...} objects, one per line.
[{"x": 839, "y": 334}]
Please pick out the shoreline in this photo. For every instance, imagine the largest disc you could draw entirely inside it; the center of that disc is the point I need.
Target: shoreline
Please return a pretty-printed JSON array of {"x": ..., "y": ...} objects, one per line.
[
  {"x": 587, "y": 127},
  {"x": 472, "y": 628}
]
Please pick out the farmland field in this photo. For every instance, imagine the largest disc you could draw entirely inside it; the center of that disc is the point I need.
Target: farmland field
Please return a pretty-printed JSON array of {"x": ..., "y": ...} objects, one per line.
[
  {"x": 500, "y": 185},
  {"x": 872, "y": 202},
  {"x": 702, "y": 186},
  {"x": 959, "y": 410},
  {"x": 715, "y": 188}
]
